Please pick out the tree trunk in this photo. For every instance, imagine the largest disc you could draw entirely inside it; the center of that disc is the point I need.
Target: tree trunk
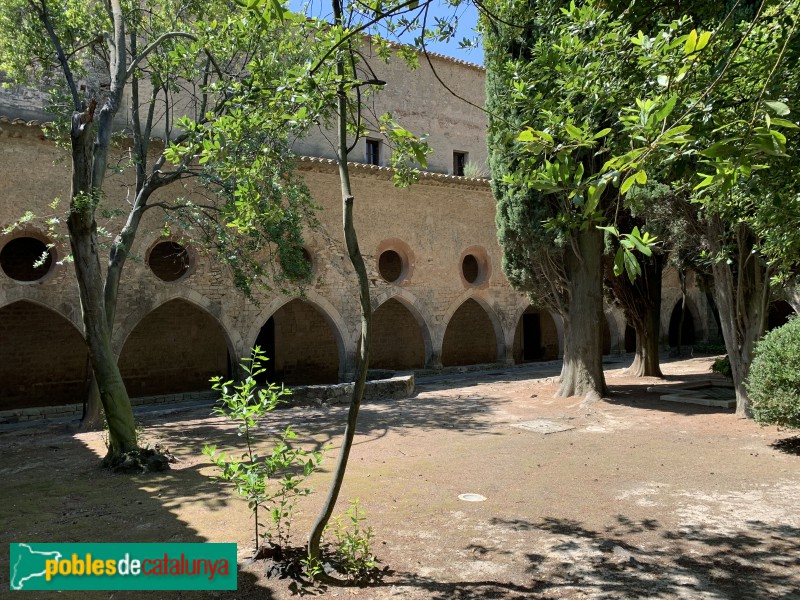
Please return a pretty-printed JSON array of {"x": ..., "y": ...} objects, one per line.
[
  {"x": 362, "y": 356},
  {"x": 582, "y": 373},
  {"x": 640, "y": 301},
  {"x": 85, "y": 250},
  {"x": 742, "y": 298},
  {"x": 646, "y": 362},
  {"x": 712, "y": 303},
  {"x": 682, "y": 279},
  {"x": 92, "y": 418}
]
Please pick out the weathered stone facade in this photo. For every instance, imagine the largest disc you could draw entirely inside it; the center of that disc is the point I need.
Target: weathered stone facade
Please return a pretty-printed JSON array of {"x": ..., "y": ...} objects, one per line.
[{"x": 447, "y": 302}]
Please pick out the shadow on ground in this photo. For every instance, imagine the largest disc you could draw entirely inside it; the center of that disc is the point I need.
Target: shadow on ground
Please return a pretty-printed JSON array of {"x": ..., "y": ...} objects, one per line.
[
  {"x": 50, "y": 494},
  {"x": 574, "y": 561}
]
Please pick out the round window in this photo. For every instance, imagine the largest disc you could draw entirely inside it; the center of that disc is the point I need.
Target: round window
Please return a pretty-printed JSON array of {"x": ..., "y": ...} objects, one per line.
[
  {"x": 390, "y": 265},
  {"x": 302, "y": 271},
  {"x": 470, "y": 268},
  {"x": 169, "y": 261},
  {"x": 26, "y": 259},
  {"x": 475, "y": 267}
]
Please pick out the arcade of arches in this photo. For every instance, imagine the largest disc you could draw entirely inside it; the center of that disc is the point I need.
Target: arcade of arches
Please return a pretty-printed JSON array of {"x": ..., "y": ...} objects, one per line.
[{"x": 179, "y": 346}]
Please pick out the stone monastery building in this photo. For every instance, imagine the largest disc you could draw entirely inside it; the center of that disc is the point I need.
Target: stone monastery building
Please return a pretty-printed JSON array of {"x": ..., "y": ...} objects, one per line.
[{"x": 439, "y": 295}]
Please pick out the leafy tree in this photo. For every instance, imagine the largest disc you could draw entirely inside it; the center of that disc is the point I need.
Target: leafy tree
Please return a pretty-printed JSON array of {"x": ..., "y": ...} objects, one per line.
[
  {"x": 731, "y": 72},
  {"x": 552, "y": 102},
  {"x": 101, "y": 59},
  {"x": 698, "y": 103}
]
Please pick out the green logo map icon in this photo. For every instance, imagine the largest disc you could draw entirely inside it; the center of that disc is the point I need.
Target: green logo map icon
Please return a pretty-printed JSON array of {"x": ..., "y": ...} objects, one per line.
[{"x": 86, "y": 566}]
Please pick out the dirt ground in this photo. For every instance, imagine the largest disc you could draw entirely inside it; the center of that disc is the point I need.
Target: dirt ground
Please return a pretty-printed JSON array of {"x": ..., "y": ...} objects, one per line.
[{"x": 640, "y": 499}]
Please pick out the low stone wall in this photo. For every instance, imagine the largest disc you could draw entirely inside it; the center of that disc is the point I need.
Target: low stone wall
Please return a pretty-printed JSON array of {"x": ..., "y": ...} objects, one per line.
[{"x": 393, "y": 388}]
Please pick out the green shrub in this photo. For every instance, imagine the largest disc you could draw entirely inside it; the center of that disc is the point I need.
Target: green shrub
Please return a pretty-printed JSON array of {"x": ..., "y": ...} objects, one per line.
[
  {"x": 722, "y": 366},
  {"x": 774, "y": 380},
  {"x": 709, "y": 349},
  {"x": 274, "y": 481}
]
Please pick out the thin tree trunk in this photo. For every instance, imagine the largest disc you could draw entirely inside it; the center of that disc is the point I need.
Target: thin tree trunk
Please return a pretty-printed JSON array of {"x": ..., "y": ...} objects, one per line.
[
  {"x": 582, "y": 373},
  {"x": 362, "y": 356},
  {"x": 682, "y": 278},
  {"x": 83, "y": 240}
]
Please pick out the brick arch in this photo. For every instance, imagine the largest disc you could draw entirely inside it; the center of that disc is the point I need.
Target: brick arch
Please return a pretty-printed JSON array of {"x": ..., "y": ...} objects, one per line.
[
  {"x": 176, "y": 347},
  {"x": 417, "y": 310},
  {"x": 672, "y": 298},
  {"x": 452, "y": 349},
  {"x": 125, "y": 327},
  {"x": 400, "y": 337},
  {"x": 551, "y": 336},
  {"x": 516, "y": 315},
  {"x": 692, "y": 314},
  {"x": 43, "y": 357},
  {"x": 345, "y": 343},
  {"x": 39, "y": 295},
  {"x": 615, "y": 321}
]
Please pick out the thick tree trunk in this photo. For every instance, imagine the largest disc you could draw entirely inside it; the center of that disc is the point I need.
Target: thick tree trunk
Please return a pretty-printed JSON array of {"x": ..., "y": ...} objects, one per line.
[
  {"x": 362, "y": 357},
  {"x": 646, "y": 362},
  {"x": 640, "y": 301},
  {"x": 582, "y": 373},
  {"x": 742, "y": 298},
  {"x": 85, "y": 250}
]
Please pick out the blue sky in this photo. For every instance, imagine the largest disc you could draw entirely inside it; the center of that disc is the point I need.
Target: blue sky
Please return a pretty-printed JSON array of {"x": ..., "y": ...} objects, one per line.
[{"x": 466, "y": 14}]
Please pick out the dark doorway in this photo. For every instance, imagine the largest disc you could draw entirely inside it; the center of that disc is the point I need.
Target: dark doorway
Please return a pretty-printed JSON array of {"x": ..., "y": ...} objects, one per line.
[
  {"x": 630, "y": 339},
  {"x": 532, "y": 336},
  {"x": 266, "y": 341},
  {"x": 779, "y": 313},
  {"x": 687, "y": 331}
]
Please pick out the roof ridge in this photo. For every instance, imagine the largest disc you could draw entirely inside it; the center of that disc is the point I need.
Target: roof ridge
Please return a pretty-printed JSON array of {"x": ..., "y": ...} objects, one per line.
[
  {"x": 438, "y": 55},
  {"x": 387, "y": 170}
]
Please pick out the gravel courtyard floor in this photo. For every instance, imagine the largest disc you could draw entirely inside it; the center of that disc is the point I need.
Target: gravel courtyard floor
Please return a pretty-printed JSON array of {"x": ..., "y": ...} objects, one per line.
[{"x": 634, "y": 498}]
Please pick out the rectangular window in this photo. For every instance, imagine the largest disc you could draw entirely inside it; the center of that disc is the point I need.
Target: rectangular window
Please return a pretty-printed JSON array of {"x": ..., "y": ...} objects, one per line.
[
  {"x": 373, "y": 152},
  {"x": 459, "y": 162}
]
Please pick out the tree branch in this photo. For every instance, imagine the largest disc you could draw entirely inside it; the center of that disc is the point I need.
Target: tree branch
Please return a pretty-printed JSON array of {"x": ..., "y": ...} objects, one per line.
[{"x": 62, "y": 58}]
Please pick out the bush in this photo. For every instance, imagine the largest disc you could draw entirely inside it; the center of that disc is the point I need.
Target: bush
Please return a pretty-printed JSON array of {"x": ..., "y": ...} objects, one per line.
[
  {"x": 774, "y": 380},
  {"x": 722, "y": 366}
]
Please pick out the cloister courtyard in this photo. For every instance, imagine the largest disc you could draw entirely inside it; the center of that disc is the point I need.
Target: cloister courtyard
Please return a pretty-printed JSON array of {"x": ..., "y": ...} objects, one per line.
[{"x": 627, "y": 497}]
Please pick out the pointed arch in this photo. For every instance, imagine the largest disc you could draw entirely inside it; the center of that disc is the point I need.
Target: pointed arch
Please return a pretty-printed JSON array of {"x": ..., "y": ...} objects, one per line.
[
  {"x": 416, "y": 310},
  {"x": 473, "y": 334},
  {"x": 45, "y": 298},
  {"x": 689, "y": 333},
  {"x": 536, "y": 335},
  {"x": 43, "y": 357},
  {"x": 125, "y": 326},
  {"x": 300, "y": 354},
  {"x": 177, "y": 347}
]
